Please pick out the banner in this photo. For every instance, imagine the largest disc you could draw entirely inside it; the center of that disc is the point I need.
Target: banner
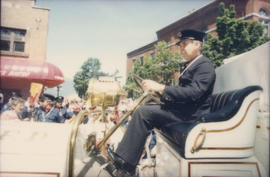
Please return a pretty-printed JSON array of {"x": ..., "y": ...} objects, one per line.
[{"x": 35, "y": 91}]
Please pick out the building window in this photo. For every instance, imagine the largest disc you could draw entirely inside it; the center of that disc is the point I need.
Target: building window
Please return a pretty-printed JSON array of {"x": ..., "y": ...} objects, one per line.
[
  {"x": 152, "y": 54},
  {"x": 12, "y": 40},
  {"x": 5, "y": 45},
  {"x": 204, "y": 29},
  {"x": 133, "y": 60},
  {"x": 265, "y": 21},
  {"x": 19, "y": 46},
  {"x": 264, "y": 12},
  {"x": 141, "y": 60}
]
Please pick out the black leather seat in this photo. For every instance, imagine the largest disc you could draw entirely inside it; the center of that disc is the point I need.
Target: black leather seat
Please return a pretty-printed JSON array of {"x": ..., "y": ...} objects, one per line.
[{"x": 224, "y": 106}]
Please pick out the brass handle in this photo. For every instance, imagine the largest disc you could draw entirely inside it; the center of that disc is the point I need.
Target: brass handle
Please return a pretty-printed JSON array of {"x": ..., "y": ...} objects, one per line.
[
  {"x": 72, "y": 140},
  {"x": 196, "y": 147},
  {"x": 125, "y": 116}
]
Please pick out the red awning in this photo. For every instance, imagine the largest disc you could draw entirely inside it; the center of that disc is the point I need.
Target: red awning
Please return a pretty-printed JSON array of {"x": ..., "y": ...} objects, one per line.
[{"x": 21, "y": 71}]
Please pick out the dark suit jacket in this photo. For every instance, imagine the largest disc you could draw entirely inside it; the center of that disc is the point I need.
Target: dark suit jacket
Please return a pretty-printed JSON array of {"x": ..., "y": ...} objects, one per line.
[{"x": 192, "y": 96}]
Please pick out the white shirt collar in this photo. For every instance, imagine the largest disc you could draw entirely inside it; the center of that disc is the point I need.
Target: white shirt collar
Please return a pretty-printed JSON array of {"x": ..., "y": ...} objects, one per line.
[{"x": 195, "y": 59}]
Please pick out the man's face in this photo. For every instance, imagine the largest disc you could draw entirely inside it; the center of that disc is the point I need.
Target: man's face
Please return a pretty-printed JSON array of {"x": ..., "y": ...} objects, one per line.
[
  {"x": 58, "y": 104},
  {"x": 46, "y": 103},
  {"x": 190, "y": 49},
  {"x": 19, "y": 107}
]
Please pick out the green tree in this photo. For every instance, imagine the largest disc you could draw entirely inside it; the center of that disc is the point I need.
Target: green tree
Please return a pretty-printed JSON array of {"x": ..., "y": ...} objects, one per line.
[
  {"x": 89, "y": 69},
  {"x": 161, "y": 68},
  {"x": 235, "y": 36}
]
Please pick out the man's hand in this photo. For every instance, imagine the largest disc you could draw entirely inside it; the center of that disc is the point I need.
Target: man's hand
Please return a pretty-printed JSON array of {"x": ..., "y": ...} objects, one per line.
[{"x": 153, "y": 86}]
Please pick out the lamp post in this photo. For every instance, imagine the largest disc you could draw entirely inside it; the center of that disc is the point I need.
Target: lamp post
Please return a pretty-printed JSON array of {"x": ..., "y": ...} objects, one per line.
[{"x": 58, "y": 89}]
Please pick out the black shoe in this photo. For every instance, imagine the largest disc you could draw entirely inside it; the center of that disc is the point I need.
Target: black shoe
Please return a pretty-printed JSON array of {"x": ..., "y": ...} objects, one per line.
[
  {"x": 117, "y": 172},
  {"x": 119, "y": 166},
  {"x": 122, "y": 173}
]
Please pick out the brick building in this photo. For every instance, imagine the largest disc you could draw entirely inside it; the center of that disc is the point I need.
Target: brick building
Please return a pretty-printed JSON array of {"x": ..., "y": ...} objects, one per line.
[
  {"x": 23, "y": 48},
  {"x": 24, "y": 30},
  {"x": 246, "y": 9}
]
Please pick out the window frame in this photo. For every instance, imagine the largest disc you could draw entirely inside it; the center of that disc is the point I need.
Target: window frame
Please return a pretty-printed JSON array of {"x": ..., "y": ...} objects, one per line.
[
  {"x": 265, "y": 21},
  {"x": 142, "y": 60},
  {"x": 14, "y": 36}
]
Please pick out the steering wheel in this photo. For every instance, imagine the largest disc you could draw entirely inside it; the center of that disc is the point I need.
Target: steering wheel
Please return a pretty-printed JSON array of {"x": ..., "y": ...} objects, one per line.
[
  {"x": 138, "y": 80},
  {"x": 154, "y": 96}
]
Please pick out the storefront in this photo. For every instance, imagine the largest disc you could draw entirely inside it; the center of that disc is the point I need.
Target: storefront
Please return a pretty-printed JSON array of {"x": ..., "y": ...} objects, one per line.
[{"x": 18, "y": 74}]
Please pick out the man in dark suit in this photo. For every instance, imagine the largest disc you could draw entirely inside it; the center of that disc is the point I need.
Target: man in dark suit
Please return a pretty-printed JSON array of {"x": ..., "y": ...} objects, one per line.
[{"x": 184, "y": 102}]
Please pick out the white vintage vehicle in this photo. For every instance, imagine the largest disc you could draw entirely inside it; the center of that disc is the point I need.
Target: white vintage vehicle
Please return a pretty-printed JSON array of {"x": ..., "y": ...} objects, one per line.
[{"x": 233, "y": 140}]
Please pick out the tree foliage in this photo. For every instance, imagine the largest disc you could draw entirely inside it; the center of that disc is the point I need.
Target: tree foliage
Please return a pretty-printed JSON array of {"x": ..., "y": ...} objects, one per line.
[
  {"x": 89, "y": 69},
  {"x": 235, "y": 36},
  {"x": 161, "y": 68}
]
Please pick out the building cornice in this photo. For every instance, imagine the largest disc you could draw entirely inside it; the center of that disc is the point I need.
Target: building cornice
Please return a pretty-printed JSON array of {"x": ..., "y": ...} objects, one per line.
[
  {"x": 141, "y": 50},
  {"x": 41, "y": 8},
  {"x": 181, "y": 19}
]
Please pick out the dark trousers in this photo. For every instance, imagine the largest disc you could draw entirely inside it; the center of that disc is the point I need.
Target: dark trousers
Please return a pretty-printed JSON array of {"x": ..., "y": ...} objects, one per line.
[{"x": 144, "y": 119}]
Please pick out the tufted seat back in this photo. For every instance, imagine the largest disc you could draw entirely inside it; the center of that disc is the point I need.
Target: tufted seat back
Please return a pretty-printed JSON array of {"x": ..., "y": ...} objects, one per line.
[
  {"x": 226, "y": 104},
  {"x": 222, "y": 99}
]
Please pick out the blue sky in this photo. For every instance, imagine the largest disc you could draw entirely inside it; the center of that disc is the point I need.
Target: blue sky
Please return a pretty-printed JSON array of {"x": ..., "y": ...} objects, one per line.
[{"x": 106, "y": 29}]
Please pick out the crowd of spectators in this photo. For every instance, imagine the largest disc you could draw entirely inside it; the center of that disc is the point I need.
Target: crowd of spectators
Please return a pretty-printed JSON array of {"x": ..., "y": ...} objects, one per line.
[
  {"x": 47, "y": 109},
  {"x": 56, "y": 109}
]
